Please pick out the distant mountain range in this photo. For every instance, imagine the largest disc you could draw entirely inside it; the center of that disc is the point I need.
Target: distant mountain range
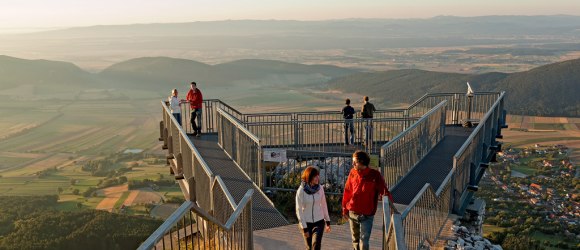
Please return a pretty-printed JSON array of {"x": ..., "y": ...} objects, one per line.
[
  {"x": 547, "y": 90},
  {"x": 329, "y": 34}
]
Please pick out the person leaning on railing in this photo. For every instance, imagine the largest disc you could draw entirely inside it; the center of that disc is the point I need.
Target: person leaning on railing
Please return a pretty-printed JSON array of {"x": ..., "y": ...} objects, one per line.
[
  {"x": 195, "y": 99},
  {"x": 364, "y": 187},
  {"x": 174, "y": 105},
  {"x": 311, "y": 209}
]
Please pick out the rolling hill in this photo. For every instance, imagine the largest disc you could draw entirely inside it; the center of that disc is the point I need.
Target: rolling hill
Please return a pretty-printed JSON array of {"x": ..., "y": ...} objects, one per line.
[
  {"x": 549, "y": 90},
  {"x": 150, "y": 72}
]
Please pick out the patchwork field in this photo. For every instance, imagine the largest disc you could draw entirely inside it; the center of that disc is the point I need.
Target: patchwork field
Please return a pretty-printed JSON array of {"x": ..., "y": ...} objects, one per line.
[{"x": 530, "y": 130}]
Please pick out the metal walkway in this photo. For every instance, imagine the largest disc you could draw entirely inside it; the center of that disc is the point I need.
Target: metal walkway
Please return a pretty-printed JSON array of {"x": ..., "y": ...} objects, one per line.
[
  {"x": 264, "y": 214},
  {"x": 434, "y": 167}
]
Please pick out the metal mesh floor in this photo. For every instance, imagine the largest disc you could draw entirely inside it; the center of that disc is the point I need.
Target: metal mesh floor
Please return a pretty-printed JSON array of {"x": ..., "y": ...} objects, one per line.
[
  {"x": 264, "y": 214},
  {"x": 434, "y": 167}
]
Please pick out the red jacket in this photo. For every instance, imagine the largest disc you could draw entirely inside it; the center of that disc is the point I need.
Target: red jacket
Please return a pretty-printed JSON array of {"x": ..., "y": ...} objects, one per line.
[
  {"x": 363, "y": 190},
  {"x": 195, "y": 98}
]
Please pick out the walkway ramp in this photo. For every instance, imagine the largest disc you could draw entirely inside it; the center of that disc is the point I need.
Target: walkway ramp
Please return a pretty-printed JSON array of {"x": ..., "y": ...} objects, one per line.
[
  {"x": 264, "y": 214},
  {"x": 434, "y": 167},
  {"x": 289, "y": 237}
]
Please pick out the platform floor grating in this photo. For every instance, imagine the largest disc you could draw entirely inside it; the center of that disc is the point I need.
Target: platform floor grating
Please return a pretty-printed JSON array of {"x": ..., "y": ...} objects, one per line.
[
  {"x": 264, "y": 214},
  {"x": 434, "y": 167}
]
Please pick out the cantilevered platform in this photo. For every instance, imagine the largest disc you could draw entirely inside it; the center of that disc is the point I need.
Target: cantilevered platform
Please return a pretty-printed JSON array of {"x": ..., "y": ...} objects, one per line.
[
  {"x": 434, "y": 167},
  {"x": 264, "y": 214}
]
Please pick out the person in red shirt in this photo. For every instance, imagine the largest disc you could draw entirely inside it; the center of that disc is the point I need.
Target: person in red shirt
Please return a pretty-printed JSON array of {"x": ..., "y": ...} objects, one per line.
[
  {"x": 364, "y": 187},
  {"x": 195, "y": 99}
]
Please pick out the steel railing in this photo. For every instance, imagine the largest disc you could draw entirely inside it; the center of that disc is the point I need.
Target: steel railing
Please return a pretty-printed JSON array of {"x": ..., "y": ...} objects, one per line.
[
  {"x": 460, "y": 107},
  {"x": 192, "y": 227},
  {"x": 229, "y": 225},
  {"x": 400, "y": 155},
  {"x": 434, "y": 206},
  {"x": 329, "y": 135},
  {"x": 241, "y": 145},
  {"x": 470, "y": 160},
  {"x": 209, "y": 115},
  {"x": 315, "y": 116}
]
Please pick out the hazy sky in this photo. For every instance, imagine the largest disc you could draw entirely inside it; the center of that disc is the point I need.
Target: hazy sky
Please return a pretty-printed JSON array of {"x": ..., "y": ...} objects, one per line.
[{"x": 22, "y": 15}]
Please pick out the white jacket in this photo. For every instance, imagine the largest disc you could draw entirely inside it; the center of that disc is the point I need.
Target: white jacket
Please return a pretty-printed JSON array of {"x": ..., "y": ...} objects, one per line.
[
  {"x": 311, "y": 207},
  {"x": 174, "y": 105}
]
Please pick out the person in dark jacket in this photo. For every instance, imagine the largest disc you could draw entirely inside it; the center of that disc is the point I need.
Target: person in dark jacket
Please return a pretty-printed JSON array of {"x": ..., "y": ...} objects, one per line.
[
  {"x": 367, "y": 112},
  {"x": 348, "y": 114}
]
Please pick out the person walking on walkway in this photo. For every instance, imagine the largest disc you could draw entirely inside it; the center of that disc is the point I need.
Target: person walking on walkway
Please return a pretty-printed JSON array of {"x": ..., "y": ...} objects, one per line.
[
  {"x": 364, "y": 188},
  {"x": 348, "y": 113},
  {"x": 367, "y": 112},
  {"x": 195, "y": 99},
  {"x": 311, "y": 209},
  {"x": 174, "y": 105}
]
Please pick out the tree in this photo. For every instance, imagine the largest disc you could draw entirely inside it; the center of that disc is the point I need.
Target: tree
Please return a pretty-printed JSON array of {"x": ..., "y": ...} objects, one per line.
[
  {"x": 76, "y": 191},
  {"x": 59, "y": 189},
  {"x": 79, "y": 205},
  {"x": 516, "y": 242}
]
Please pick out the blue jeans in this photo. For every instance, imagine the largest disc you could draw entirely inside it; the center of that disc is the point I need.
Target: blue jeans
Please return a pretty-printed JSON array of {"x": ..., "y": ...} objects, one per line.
[
  {"x": 348, "y": 126},
  {"x": 177, "y": 117},
  {"x": 196, "y": 114},
  {"x": 368, "y": 133},
  {"x": 360, "y": 227}
]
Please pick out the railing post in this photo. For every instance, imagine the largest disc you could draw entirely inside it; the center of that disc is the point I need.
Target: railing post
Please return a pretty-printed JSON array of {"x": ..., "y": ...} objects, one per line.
[
  {"x": 191, "y": 184},
  {"x": 296, "y": 133},
  {"x": 455, "y": 110},
  {"x": 469, "y": 100},
  {"x": 170, "y": 147}
]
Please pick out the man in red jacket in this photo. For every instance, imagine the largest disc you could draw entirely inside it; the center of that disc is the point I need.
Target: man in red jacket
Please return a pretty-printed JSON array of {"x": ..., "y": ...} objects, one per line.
[
  {"x": 364, "y": 187},
  {"x": 195, "y": 99}
]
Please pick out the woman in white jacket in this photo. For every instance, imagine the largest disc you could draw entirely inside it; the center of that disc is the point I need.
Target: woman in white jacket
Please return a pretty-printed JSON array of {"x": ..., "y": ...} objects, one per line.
[
  {"x": 174, "y": 105},
  {"x": 311, "y": 208}
]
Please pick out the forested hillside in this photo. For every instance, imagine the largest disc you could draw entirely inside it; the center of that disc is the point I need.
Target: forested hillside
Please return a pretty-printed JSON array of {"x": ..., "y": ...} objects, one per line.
[
  {"x": 33, "y": 222},
  {"x": 550, "y": 90}
]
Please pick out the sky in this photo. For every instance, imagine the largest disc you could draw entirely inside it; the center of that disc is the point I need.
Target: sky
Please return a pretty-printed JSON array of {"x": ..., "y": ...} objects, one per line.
[{"x": 34, "y": 15}]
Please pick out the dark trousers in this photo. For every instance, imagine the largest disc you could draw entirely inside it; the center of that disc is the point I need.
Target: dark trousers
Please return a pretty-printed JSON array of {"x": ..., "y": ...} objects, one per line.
[
  {"x": 315, "y": 231},
  {"x": 196, "y": 115},
  {"x": 348, "y": 127}
]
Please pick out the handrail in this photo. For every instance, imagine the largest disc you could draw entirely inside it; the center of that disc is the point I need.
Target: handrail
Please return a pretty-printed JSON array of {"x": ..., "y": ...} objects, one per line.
[
  {"x": 204, "y": 165},
  {"x": 239, "y": 125},
  {"x": 166, "y": 226},
  {"x": 187, "y": 206},
  {"x": 479, "y": 126},
  {"x": 238, "y": 210},
  {"x": 333, "y": 121},
  {"x": 414, "y": 125},
  {"x": 218, "y": 181},
  {"x": 414, "y": 201}
]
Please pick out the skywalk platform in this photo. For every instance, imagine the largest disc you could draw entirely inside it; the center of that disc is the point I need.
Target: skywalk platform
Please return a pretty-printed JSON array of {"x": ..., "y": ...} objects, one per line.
[
  {"x": 264, "y": 214},
  {"x": 434, "y": 167}
]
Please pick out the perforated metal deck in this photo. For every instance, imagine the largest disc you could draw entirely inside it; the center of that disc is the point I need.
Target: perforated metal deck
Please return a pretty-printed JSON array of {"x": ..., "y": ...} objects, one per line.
[
  {"x": 434, "y": 167},
  {"x": 264, "y": 214}
]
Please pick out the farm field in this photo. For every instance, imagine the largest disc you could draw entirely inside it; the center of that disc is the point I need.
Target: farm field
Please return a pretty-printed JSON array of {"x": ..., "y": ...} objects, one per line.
[{"x": 525, "y": 132}]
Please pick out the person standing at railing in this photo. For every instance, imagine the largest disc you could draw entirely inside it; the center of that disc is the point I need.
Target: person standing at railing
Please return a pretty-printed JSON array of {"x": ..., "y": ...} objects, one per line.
[
  {"x": 364, "y": 188},
  {"x": 348, "y": 113},
  {"x": 195, "y": 99},
  {"x": 311, "y": 209},
  {"x": 367, "y": 112},
  {"x": 174, "y": 105}
]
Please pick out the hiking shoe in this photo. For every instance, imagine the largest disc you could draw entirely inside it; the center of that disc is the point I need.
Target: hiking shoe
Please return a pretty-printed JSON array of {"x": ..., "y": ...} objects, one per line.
[{"x": 198, "y": 134}]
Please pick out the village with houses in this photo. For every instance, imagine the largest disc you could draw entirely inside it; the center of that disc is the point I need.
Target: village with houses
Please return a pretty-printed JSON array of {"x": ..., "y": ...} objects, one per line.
[{"x": 535, "y": 189}]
